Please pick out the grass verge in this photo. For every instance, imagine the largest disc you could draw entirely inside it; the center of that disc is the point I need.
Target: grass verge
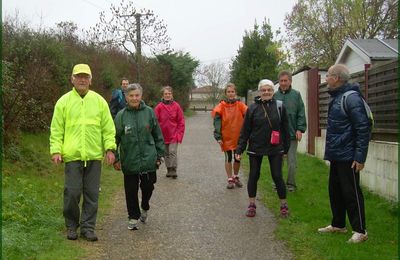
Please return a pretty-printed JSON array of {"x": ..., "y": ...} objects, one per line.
[
  {"x": 310, "y": 209},
  {"x": 33, "y": 225}
]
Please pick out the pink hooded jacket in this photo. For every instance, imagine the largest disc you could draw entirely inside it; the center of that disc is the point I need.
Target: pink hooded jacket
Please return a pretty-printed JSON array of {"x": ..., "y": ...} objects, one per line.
[{"x": 171, "y": 120}]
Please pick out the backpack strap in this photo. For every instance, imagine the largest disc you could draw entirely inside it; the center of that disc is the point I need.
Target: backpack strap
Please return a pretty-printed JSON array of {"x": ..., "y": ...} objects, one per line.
[
  {"x": 343, "y": 103},
  {"x": 120, "y": 96},
  {"x": 279, "y": 108}
]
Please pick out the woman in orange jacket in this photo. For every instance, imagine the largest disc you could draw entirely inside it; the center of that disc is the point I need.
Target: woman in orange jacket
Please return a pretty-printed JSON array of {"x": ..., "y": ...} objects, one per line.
[{"x": 228, "y": 119}]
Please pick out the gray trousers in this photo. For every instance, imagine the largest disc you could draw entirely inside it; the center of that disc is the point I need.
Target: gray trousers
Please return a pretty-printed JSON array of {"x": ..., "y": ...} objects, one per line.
[
  {"x": 292, "y": 163},
  {"x": 171, "y": 159},
  {"x": 80, "y": 179}
]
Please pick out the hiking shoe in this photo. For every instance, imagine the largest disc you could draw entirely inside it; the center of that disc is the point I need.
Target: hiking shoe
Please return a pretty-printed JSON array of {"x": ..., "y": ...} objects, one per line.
[
  {"x": 143, "y": 216},
  {"x": 284, "y": 211},
  {"x": 89, "y": 236},
  {"x": 231, "y": 184},
  {"x": 238, "y": 183},
  {"x": 133, "y": 224},
  {"x": 330, "y": 229},
  {"x": 251, "y": 210},
  {"x": 358, "y": 237},
  {"x": 71, "y": 234}
]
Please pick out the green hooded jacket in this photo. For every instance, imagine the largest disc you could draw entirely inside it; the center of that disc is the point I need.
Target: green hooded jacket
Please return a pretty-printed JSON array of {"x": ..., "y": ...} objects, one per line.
[
  {"x": 139, "y": 139},
  {"x": 295, "y": 110}
]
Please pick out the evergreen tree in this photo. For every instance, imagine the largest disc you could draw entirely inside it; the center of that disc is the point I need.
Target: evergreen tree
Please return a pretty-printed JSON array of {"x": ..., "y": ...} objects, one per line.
[
  {"x": 259, "y": 57},
  {"x": 181, "y": 67}
]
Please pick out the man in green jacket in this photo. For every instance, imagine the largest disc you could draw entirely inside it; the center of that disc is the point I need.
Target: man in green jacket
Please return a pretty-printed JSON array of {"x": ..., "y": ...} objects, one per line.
[
  {"x": 81, "y": 132},
  {"x": 297, "y": 121},
  {"x": 141, "y": 148}
]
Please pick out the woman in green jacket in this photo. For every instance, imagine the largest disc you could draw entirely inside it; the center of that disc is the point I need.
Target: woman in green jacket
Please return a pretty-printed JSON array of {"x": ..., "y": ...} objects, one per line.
[{"x": 141, "y": 148}]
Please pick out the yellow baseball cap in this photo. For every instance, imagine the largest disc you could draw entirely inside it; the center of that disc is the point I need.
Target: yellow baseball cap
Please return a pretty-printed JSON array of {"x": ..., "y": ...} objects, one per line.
[{"x": 81, "y": 68}]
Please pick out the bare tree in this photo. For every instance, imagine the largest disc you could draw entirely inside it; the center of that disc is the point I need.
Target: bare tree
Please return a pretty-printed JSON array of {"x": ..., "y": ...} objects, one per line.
[
  {"x": 129, "y": 29},
  {"x": 214, "y": 75}
]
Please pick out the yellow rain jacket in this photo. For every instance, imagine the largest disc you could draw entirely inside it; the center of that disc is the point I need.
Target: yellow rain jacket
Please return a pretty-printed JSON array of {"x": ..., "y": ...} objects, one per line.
[{"x": 82, "y": 129}]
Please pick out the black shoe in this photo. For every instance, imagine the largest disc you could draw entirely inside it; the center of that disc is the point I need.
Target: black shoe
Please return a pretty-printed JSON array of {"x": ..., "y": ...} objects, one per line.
[
  {"x": 71, "y": 234},
  {"x": 89, "y": 236}
]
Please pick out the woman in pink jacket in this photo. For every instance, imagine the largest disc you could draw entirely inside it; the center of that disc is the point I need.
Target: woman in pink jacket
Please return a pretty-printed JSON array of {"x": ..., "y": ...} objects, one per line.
[{"x": 172, "y": 123}]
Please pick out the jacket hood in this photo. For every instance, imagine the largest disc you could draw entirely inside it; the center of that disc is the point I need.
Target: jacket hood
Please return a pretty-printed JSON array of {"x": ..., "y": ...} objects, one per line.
[{"x": 344, "y": 88}]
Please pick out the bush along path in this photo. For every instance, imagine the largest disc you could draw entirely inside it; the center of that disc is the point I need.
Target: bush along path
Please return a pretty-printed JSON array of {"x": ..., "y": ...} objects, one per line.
[{"x": 193, "y": 216}]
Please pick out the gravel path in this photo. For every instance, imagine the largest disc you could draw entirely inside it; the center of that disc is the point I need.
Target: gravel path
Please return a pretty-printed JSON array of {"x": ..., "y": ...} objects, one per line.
[{"x": 194, "y": 216}]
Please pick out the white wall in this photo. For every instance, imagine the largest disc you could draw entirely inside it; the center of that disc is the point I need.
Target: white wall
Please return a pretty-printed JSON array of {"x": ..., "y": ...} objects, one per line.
[
  {"x": 300, "y": 83},
  {"x": 380, "y": 174}
]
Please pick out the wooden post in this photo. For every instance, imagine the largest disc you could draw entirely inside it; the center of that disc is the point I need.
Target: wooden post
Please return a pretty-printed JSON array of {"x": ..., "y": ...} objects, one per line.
[{"x": 366, "y": 68}]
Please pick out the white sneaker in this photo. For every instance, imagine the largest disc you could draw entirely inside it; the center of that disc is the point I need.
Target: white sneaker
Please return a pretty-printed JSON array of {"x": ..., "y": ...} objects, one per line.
[
  {"x": 358, "y": 237},
  {"x": 133, "y": 224},
  {"x": 143, "y": 216},
  {"x": 330, "y": 229}
]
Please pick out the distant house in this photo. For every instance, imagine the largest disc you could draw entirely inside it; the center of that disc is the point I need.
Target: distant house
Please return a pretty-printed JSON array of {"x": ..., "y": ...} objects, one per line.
[
  {"x": 201, "y": 94},
  {"x": 356, "y": 53}
]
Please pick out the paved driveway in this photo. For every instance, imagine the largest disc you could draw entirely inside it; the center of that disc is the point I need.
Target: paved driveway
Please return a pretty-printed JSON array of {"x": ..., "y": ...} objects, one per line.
[{"x": 194, "y": 216}]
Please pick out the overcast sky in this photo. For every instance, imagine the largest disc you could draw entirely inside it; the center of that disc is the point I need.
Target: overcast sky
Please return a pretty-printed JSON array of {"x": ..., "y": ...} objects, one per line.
[{"x": 210, "y": 30}]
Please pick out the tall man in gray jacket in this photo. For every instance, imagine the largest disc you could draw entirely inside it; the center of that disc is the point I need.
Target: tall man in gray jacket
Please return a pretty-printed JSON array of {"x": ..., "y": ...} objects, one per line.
[{"x": 294, "y": 105}]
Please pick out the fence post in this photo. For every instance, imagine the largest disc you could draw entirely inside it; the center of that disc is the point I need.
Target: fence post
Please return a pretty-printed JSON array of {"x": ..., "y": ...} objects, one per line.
[{"x": 366, "y": 68}]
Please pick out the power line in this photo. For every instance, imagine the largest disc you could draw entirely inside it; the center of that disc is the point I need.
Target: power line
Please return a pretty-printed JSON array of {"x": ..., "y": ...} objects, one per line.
[{"x": 93, "y": 4}]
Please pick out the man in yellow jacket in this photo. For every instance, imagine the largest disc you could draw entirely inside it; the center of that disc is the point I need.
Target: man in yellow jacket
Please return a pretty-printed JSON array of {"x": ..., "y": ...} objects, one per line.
[{"x": 82, "y": 131}]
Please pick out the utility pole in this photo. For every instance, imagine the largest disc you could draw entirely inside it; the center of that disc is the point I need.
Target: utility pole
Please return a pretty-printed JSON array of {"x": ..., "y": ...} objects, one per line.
[
  {"x": 138, "y": 55},
  {"x": 138, "y": 37}
]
